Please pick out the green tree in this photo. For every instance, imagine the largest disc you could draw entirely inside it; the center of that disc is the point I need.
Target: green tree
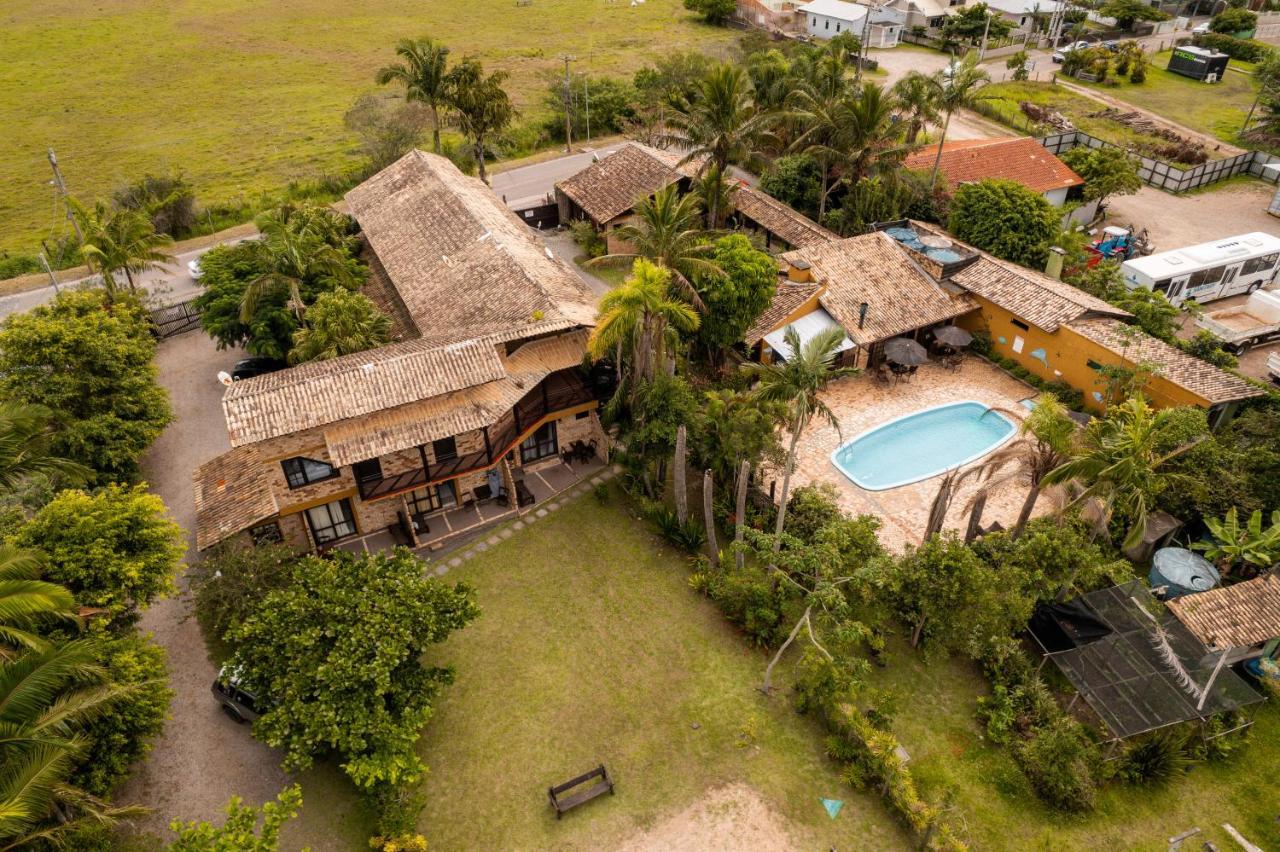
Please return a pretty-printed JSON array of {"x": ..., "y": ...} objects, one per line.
[
  {"x": 422, "y": 70},
  {"x": 240, "y": 832},
  {"x": 27, "y": 434},
  {"x": 1129, "y": 12},
  {"x": 339, "y": 323},
  {"x": 736, "y": 295},
  {"x": 796, "y": 181},
  {"x": 306, "y": 648},
  {"x": 1106, "y": 172},
  {"x": 117, "y": 241},
  {"x": 712, "y": 11},
  {"x": 1231, "y": 21},
  {"x": 797, "y": 383},
  {"x": 1017, "y": 63},
  {"x": 972, "y": 23},
  {"x": 917, "y": 99},
  {"x": 733, "y": 427},
  {"x": 88, "y": 361},
  {"x": 956, "y": 87},
  {"x": 116, "y": 549},
  {"x": 294, "y": 249},
  {"x": 638, "y": 321},
  {"x": 1046, "y": 441},
  {"x": 481, "y": 105},
  {"x": 388, "y": 127},
  {"x": 1005, "y": 218},
  {"x": 168, "y": 200},
  {"x": 1121, "y": 464}
]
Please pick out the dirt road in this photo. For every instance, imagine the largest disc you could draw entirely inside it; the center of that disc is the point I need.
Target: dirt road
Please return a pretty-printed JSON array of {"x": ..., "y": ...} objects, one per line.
[{"x": 1183, "y": 220}]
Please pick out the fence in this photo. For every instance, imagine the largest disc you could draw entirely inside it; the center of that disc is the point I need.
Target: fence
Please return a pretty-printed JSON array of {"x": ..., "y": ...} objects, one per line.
[
  {"x": 173, "y": 320},
  {"x": 1161, "y": 175}
]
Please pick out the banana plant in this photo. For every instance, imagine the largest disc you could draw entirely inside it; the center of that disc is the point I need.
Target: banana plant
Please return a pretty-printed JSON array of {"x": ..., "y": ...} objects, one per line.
[{"x": 1251, "y": 543}]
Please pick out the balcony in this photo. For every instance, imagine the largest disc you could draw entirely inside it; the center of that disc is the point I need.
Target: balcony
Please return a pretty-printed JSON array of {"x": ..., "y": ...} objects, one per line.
[{"x": 559, "y": 391}]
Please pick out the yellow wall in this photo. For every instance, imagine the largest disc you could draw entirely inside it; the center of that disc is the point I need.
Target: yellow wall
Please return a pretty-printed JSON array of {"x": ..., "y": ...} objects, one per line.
[{"x": 1066, "y": 355}]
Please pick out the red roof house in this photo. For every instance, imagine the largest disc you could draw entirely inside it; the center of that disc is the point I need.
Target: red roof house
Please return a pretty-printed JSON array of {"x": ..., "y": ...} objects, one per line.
[{"x": 1023, "y": 160}]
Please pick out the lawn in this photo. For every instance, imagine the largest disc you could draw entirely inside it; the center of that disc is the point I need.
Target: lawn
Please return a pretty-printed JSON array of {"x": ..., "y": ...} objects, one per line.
[
  {"x": 1218, "y": 110},
  {"x": 244, "y": 96},
  {"x": 937, "y": 727},
  {"x": 591, "y": 647}
]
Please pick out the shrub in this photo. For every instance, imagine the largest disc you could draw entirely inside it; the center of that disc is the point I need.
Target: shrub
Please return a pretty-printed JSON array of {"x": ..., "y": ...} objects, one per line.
[
  {"x": 1063, "y": 765},
  {"x": 1246, "y": 50},
  {"x": 1156, "y": 758},
  {"x": 169, "y": 200},
  {"x": 1233, "y": 21},
  {"x": 748, "y": 599},
  {"x": 811, "y": 508},
  {"x": 795, "y": 180},
  {"x": 1006, "y": 219},
  {"x": 690, "y": 535},
  {"x": 601, "y": 493},
  {"x": 231, "y": 580},
  {"x": 591, "y": 241},
  {"x": 11, "y": 266}
]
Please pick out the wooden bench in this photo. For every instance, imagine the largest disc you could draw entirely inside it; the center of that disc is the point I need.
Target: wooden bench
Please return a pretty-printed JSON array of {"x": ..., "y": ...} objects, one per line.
[{"x": 562, "y": 802}]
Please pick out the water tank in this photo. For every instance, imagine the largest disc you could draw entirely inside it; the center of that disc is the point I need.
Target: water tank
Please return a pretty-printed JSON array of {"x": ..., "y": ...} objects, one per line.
[{"x": 1181, "y": 572}]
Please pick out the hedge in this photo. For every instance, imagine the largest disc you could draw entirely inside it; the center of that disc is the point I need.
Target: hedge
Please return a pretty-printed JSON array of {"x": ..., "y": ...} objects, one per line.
[{"x": 1246, "y": 50}]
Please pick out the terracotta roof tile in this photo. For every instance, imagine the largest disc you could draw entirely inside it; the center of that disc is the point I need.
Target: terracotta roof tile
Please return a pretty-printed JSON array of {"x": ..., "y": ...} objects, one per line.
[
  {"x": 786, "y": 301},
  {"x": 1023, "y": 160},
  {"x": 611, "y": 186},
  {"x": 778, "y": 218},
  {"x": 1233, "y": 616},
  {"x": 1033, "y": 296},
  {"x": 232, "y": 493}
]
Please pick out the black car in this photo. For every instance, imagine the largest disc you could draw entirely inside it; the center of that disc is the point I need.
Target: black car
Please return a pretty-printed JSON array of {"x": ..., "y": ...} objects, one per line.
[
  {"x": 250, "y": 367},
  {"x": 237, "y": 701}
]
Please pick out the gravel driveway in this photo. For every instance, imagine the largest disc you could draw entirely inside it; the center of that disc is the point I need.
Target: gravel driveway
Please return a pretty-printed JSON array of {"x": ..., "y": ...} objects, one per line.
[
  {"x": 1173, "y": 221},
  {"x": 203, "y": 758}
]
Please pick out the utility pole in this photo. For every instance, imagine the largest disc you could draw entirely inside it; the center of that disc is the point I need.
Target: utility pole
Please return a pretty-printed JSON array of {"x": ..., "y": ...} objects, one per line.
[
  {"x": 586, "y": 92},
  {"x": 862, "y": 46},
  {"x": 986, "y": 28},
  {"x": 568, "y": 101},
  {"x": 62, "y": 190},
  {"x": 53, "y": 279}
]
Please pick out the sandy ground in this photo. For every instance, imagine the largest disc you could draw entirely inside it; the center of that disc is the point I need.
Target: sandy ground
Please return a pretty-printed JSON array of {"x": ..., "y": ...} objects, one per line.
[
  {"x": 725, "y": 820},
  {"x": 1173, "y": 221}
]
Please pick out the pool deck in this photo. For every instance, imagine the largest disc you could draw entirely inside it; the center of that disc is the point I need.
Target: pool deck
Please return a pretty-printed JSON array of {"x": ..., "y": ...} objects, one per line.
[{"x": 860, "y": 404}]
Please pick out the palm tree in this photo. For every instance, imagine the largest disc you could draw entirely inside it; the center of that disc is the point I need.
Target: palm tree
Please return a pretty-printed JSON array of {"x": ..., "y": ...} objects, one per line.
[
  {"x": 640, "y": 318},
  {"x": 721, "y": 124},
  {"x": 1047, "y": 438},
  {"x": 26, "y": 439},
  {"x": 118, "y": 241},
  {"x": 667, "y": 230},
  {"x": 45, "y": 698},
  {"x": 481, "y": 104},
  {"x": 797, "y": 382},
  {"x": 1118, "y": 464},
  {"x": 869, "y": 135},
  {"x": 918, "y": 101},
  {"x": 339, "y": 323},
  {"x": 27, "y": 602},
  {"x": 819, "y": 116},
  {"x": 294, "y": 253},
  {"x": 956, "y": 86},
  {"x": 423, "y": 75},
  {"x": 715, "y": 191}
]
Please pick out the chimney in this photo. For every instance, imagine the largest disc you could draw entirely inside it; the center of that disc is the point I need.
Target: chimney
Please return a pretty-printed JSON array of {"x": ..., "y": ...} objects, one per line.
[
  {"x": 1053, "y": 268},
  {"x": 799, "y": 271}
]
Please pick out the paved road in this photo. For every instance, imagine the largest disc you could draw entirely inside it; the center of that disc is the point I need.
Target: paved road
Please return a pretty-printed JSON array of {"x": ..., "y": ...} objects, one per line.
[{"x": 529, "y": 183}]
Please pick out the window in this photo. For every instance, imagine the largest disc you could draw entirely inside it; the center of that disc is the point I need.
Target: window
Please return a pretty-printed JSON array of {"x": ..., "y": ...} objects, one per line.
[
  {"x": 367, "y": 471},
  {"x": 302, "y": 471},
  {"x": 582, "y": 415},
  {"x": 1163, "y": 285},
  {"x": 837, "y": 26},
  {"x": 443, "y": 495},
  {"x": 826, "y": 25},
  {"x": 332, "y": 521},
  {"x": 268, "y": 533},
  {"x": 444, "y": 449},
  {"x": 1258, "y": 264},
  {"x": 1205, "y": 277},
  {"x": 1020, "y": 324},
  {"x": 540, "y": 444},
  {"x": 1093, "y": 365}
]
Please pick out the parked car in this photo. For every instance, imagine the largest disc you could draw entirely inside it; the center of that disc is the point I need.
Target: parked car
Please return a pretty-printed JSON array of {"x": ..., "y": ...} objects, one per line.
[
  {"x": 250, "y": 367},
  {"x": 237, "y": 701},
  {"x": 1200, "y": 29},
  {"x": 1060, "y": 55},
  {"x": 193, "y": 266},
  {"x": 1112, "y": 45}
]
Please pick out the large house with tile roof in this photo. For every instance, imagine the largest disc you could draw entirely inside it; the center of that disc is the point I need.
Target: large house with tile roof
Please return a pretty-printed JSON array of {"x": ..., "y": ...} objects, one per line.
[
  {"x": 482, "y": 389},
  {"x": 1023, "y": 160}
]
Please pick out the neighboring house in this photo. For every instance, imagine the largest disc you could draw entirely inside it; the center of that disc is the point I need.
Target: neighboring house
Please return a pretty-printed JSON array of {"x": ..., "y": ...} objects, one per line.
[
  {"x": 486, "y": 389},
  {"x": 828, "y": 18},
  {"x": 607, "y": 191},
  {"x": 876, "y": 286},
  {"x": 1023, "y": 14},
  {"x": 1242, "y": 620},
  {"x": 1022, "y": 159},
  {"x": 928, "y": 14}
]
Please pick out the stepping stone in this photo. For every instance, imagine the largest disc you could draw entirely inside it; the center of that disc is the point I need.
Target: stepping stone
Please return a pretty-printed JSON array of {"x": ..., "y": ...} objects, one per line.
[
  {"x": 469, "y": 554},
  {"x": 507, "y": 532},
  {"x": 597, "y": 480},
  {"x": 541, "y": 513},
  {"x": 492, "y": 540},
  {"x": 440, "y": 572},
  {"x": 481, "y": 546},
  {"x": 455, "y": 562},
  {"x": 518, "y": 525},
  {"x": 551, "y": 507}
]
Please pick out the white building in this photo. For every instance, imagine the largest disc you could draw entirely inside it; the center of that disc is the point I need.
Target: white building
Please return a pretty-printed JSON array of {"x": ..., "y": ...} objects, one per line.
[
  {"x": 929, "y": 14},
  {"x": 829, "y": 18},
  {"x": 1023, "y": 13}
]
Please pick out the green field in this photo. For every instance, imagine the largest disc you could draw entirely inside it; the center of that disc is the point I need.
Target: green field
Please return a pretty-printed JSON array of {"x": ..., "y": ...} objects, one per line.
[{"x": 243, "y": 96}]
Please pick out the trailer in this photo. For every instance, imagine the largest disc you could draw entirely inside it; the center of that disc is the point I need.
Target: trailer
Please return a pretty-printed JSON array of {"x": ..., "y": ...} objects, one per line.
[
  {"x": 1199, "y": 63},
  {"x": 1256, "y": 321},
  {"x": 1208, "y": 271}
]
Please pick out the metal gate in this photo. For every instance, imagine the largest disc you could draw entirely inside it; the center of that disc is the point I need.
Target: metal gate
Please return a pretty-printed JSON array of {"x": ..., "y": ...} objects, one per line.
[{"x": 176, "y": 319}]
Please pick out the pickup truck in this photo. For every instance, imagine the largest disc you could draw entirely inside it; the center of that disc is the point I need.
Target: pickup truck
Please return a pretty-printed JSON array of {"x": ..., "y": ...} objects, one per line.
[{"x": 1256, "y": 321}]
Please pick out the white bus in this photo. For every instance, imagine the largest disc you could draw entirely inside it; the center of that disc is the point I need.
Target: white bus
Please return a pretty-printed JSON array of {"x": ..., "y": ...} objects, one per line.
[{"x": 1208, "y": 271}]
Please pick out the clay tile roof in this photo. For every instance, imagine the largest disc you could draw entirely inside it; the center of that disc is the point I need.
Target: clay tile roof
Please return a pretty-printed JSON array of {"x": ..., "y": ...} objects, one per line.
[
  {"x": 786, "y": 301},
  {"x": 1023, "y": 160},
  {"x": 232, "y": 494},
  {"x": 1206, "y": 381},
  {"x": 1233, "y": 616},
  {"x": 611, "y": 186},
  {"x": 778, "y": 218},
  {"x": 873, "y": 268},
  {"x": 1033, "y": 296}
]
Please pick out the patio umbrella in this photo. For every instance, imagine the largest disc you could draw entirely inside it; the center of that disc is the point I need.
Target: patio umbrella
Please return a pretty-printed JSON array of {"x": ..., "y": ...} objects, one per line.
[
  {"x": 953, "y": 335},
  {"x": 905, "y": 351}
]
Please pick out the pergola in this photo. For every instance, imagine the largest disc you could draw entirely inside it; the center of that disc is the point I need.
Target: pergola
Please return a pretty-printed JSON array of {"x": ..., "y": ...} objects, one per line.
[{"x": 1134, "y": 664}]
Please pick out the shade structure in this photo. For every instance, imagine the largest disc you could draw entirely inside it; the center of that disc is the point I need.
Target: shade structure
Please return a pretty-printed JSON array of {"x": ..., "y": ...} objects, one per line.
[
  {"x": 905, "y": 351},
  {"x": 952, "y": 335},
  {"x": 807, "y": 327}
]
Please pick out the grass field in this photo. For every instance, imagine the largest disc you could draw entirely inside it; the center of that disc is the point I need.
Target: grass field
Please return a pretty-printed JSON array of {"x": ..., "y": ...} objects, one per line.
[
  {"x": 243, "y": 96},
  {"x": 591, "y": 647}
]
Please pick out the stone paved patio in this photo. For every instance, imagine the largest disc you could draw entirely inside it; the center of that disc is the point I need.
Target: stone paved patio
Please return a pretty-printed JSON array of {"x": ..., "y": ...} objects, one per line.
[{"x": 860, "y": 404}]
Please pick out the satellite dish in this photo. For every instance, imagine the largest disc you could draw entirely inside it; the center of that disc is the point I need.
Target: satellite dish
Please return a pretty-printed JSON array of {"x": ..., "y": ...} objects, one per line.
[{"x": 225, "y": 377}]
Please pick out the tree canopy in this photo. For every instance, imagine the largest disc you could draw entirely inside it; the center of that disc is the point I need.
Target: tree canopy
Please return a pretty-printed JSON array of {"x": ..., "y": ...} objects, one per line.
[
  {"x": 1106, "y": 171},
  {"x": 1129, "y": 12},
  {"x": 736, "y": 295},
  {"x": 1006, "y": 219}
]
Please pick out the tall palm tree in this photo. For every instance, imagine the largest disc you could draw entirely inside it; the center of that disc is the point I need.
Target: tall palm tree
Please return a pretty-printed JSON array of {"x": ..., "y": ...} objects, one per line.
[
  {"x": 715, "y": 190},
  {"x": 956, "y": 86},
  {"x": 118, "y": 241},
  {"x": 819, "y": 117},
  {"x": 26, "y": 440},
  {"x": 721, "y": 123},
  {"x": 45, "y": 698},
  {"x": 871, "y": 139},
  {"x": 797, "y": 382},
  {"x": 1118, "y": 464},
  {"x": 481, "y": 104},
  {"x": 917, "y": 99},
  {"x": 423, "y": 74},
  {"x": 339, "y": 323},
  {"x": 28, "y": 603},
  {"x": 294, "y": 253},
  {"x": 667, "y": 230},
  {"x": 1046, "y": 441},
  {"x": 640, "y": 318}
]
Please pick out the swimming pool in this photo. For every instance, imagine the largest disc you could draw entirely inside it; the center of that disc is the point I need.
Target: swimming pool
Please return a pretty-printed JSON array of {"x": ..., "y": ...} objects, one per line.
[{"x": 923, "y": 444}]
